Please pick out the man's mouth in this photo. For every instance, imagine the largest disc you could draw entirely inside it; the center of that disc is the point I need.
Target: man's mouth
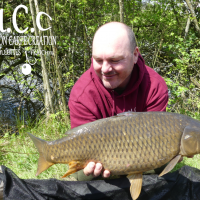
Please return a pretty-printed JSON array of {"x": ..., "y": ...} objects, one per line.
[{"x": 108, "y": 75}]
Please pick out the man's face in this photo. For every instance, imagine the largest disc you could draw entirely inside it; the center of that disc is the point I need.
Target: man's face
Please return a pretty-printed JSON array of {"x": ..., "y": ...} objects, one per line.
[{"x": 112, "y": 59}]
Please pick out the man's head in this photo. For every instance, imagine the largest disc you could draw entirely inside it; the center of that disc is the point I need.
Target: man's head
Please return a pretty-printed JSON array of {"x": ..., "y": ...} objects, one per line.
[{"x": 114, "y": 54}]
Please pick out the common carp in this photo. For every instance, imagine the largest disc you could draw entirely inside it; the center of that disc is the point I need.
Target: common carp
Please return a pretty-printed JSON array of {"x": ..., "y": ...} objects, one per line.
[{"x": 129, "y": 143}]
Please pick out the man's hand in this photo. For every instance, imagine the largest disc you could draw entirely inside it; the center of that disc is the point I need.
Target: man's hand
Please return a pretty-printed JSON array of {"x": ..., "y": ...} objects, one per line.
[{"x": 95, "y": 170}]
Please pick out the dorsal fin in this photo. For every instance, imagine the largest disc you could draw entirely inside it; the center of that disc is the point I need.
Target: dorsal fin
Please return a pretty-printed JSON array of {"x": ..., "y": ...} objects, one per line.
[{"x": 128, "y": 113}]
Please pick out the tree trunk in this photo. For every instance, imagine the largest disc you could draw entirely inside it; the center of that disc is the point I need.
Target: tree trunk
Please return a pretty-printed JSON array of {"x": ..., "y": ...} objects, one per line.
[
  {"x": 69, "y": 35},
  {"x": 47, "y": 92},
  {"x": 187, "y": 26},
  {"x": 58, "y": 70},
  {"x": 195, "y": 82},
  {"x": 73, "y": 47},
  {"x": 193, "y": 15},
  {"x": 121, "y": 9}
]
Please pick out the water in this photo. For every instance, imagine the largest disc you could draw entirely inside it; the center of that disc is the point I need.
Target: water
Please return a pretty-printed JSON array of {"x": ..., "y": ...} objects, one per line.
[
  {"x": 8, "y": 108},
  {"x": 9, "y": 113}
]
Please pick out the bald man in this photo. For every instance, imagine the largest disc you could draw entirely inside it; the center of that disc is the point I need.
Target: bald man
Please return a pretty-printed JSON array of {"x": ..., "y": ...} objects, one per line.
[{"x": 117, "y": 81}]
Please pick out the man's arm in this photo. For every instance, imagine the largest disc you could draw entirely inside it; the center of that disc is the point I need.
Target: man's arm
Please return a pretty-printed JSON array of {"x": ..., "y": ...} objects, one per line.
[
  {"x": 79, "y": 114},
  {"x": 157, "y": 92},
  {"x": 157, "y": 103}
]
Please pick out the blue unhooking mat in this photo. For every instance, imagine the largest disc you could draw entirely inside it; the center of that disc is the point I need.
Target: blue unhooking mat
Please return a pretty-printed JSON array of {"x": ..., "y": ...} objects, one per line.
[{"x": 184, "y": 184}]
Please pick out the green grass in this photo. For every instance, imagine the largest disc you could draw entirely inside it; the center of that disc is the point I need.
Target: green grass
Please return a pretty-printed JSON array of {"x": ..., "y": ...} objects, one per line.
[
  {"x": 193, "y": 162},
  {"x": 20, "y": 155}
]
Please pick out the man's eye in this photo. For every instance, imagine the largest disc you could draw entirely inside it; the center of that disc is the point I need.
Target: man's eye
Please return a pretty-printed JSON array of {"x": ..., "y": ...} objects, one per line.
[
  {"x": 115, "y": 61},
  {"x": 99, "y": 61}
]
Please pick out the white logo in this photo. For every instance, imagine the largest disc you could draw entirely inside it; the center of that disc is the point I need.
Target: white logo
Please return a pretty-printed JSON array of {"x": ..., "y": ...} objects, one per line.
[
  {"x": 26, "y": 69},
  {"x": 25, "y": 40},
  {"x": 14, "y": 20}
]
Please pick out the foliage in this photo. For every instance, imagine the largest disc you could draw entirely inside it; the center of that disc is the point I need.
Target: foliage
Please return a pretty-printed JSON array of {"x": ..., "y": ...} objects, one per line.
[
  {"x": 183, "y": 77},
  {"x": 160, "y": 30}
]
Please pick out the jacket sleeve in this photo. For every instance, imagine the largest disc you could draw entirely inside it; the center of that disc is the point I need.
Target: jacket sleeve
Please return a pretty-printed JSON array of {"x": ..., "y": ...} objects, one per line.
[
  {"x": 79, "y": 114},
  {"x": 157, "y": 95},
  {"x": 158, "y": 103}
]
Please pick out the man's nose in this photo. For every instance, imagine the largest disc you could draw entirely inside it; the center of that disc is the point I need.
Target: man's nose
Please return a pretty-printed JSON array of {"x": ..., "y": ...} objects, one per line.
[{"x": 106, "y": 67}]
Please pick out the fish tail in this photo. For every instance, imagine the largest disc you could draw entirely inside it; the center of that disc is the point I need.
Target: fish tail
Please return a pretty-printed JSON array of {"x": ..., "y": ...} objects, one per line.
[{"x": 43, "y": 164}]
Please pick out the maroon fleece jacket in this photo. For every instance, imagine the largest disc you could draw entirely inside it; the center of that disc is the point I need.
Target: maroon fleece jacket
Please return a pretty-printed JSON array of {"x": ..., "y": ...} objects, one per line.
[{"x": 90, "y": 100}]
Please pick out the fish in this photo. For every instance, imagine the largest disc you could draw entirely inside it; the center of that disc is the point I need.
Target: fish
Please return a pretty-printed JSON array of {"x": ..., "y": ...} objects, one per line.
[{"x": 129, "y": 143}]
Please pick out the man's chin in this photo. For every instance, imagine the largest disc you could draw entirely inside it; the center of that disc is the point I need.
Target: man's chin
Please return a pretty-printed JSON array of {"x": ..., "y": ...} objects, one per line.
[{"x": 108, "y": 86}]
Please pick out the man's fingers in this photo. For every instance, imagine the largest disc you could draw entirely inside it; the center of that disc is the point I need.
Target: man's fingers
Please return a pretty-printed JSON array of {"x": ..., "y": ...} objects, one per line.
[
  {"x": 106, "y": 174},
  {"x": 97, "y": 170},
  {"x": 89, "y": 169}
]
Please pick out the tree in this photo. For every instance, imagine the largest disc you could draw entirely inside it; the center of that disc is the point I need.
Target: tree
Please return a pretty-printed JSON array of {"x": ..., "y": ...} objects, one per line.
[
  {"x": 47, "y": 91},
  {"x": 166, "y": 35},
  {"x": 121, "y": 6},
  {"x": 193, "y": 15},
  {"x": 58, "y": 71}
]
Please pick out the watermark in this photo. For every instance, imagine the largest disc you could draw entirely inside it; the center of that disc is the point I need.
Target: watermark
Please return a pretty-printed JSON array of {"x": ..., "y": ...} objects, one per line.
[
  {"x": 26, "y": 69},
  {"x": 10, "y": 52},
  {"x": 17, "y": 52},
  {"x": 14, "y": 21},
  {"x": 25, "y": 40},
  {"x": 28, "y": 40}
]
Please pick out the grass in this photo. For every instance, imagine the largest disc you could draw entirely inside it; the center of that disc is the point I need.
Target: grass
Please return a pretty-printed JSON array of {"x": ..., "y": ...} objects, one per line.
[
  {"x": 193, "y": 162},
  {"x": 18, "y": 152},
  {"x": 20, "y": 155}
]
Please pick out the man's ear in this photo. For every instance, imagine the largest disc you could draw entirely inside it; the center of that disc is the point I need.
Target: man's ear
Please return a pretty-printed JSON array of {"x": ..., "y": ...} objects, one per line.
[{"x": 136, "y": 53}]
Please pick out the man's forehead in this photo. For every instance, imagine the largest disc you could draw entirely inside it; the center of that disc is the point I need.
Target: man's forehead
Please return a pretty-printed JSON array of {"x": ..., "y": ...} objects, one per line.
[
  {"x": 110, "y": 48},
  {"x": 115, "y": 56},
  {"x": 109, "y": 40}
]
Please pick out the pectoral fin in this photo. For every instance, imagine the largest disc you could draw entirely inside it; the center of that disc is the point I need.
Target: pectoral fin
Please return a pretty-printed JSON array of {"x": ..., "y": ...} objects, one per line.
[
  {"x": 74, "y": 166},
  {"x": 171, "y": 165},
  {"x": 136, "y": 185}
]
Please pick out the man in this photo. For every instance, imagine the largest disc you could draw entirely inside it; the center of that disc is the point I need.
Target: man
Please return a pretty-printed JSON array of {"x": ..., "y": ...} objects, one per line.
[{"x": 117, "y": 81}]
